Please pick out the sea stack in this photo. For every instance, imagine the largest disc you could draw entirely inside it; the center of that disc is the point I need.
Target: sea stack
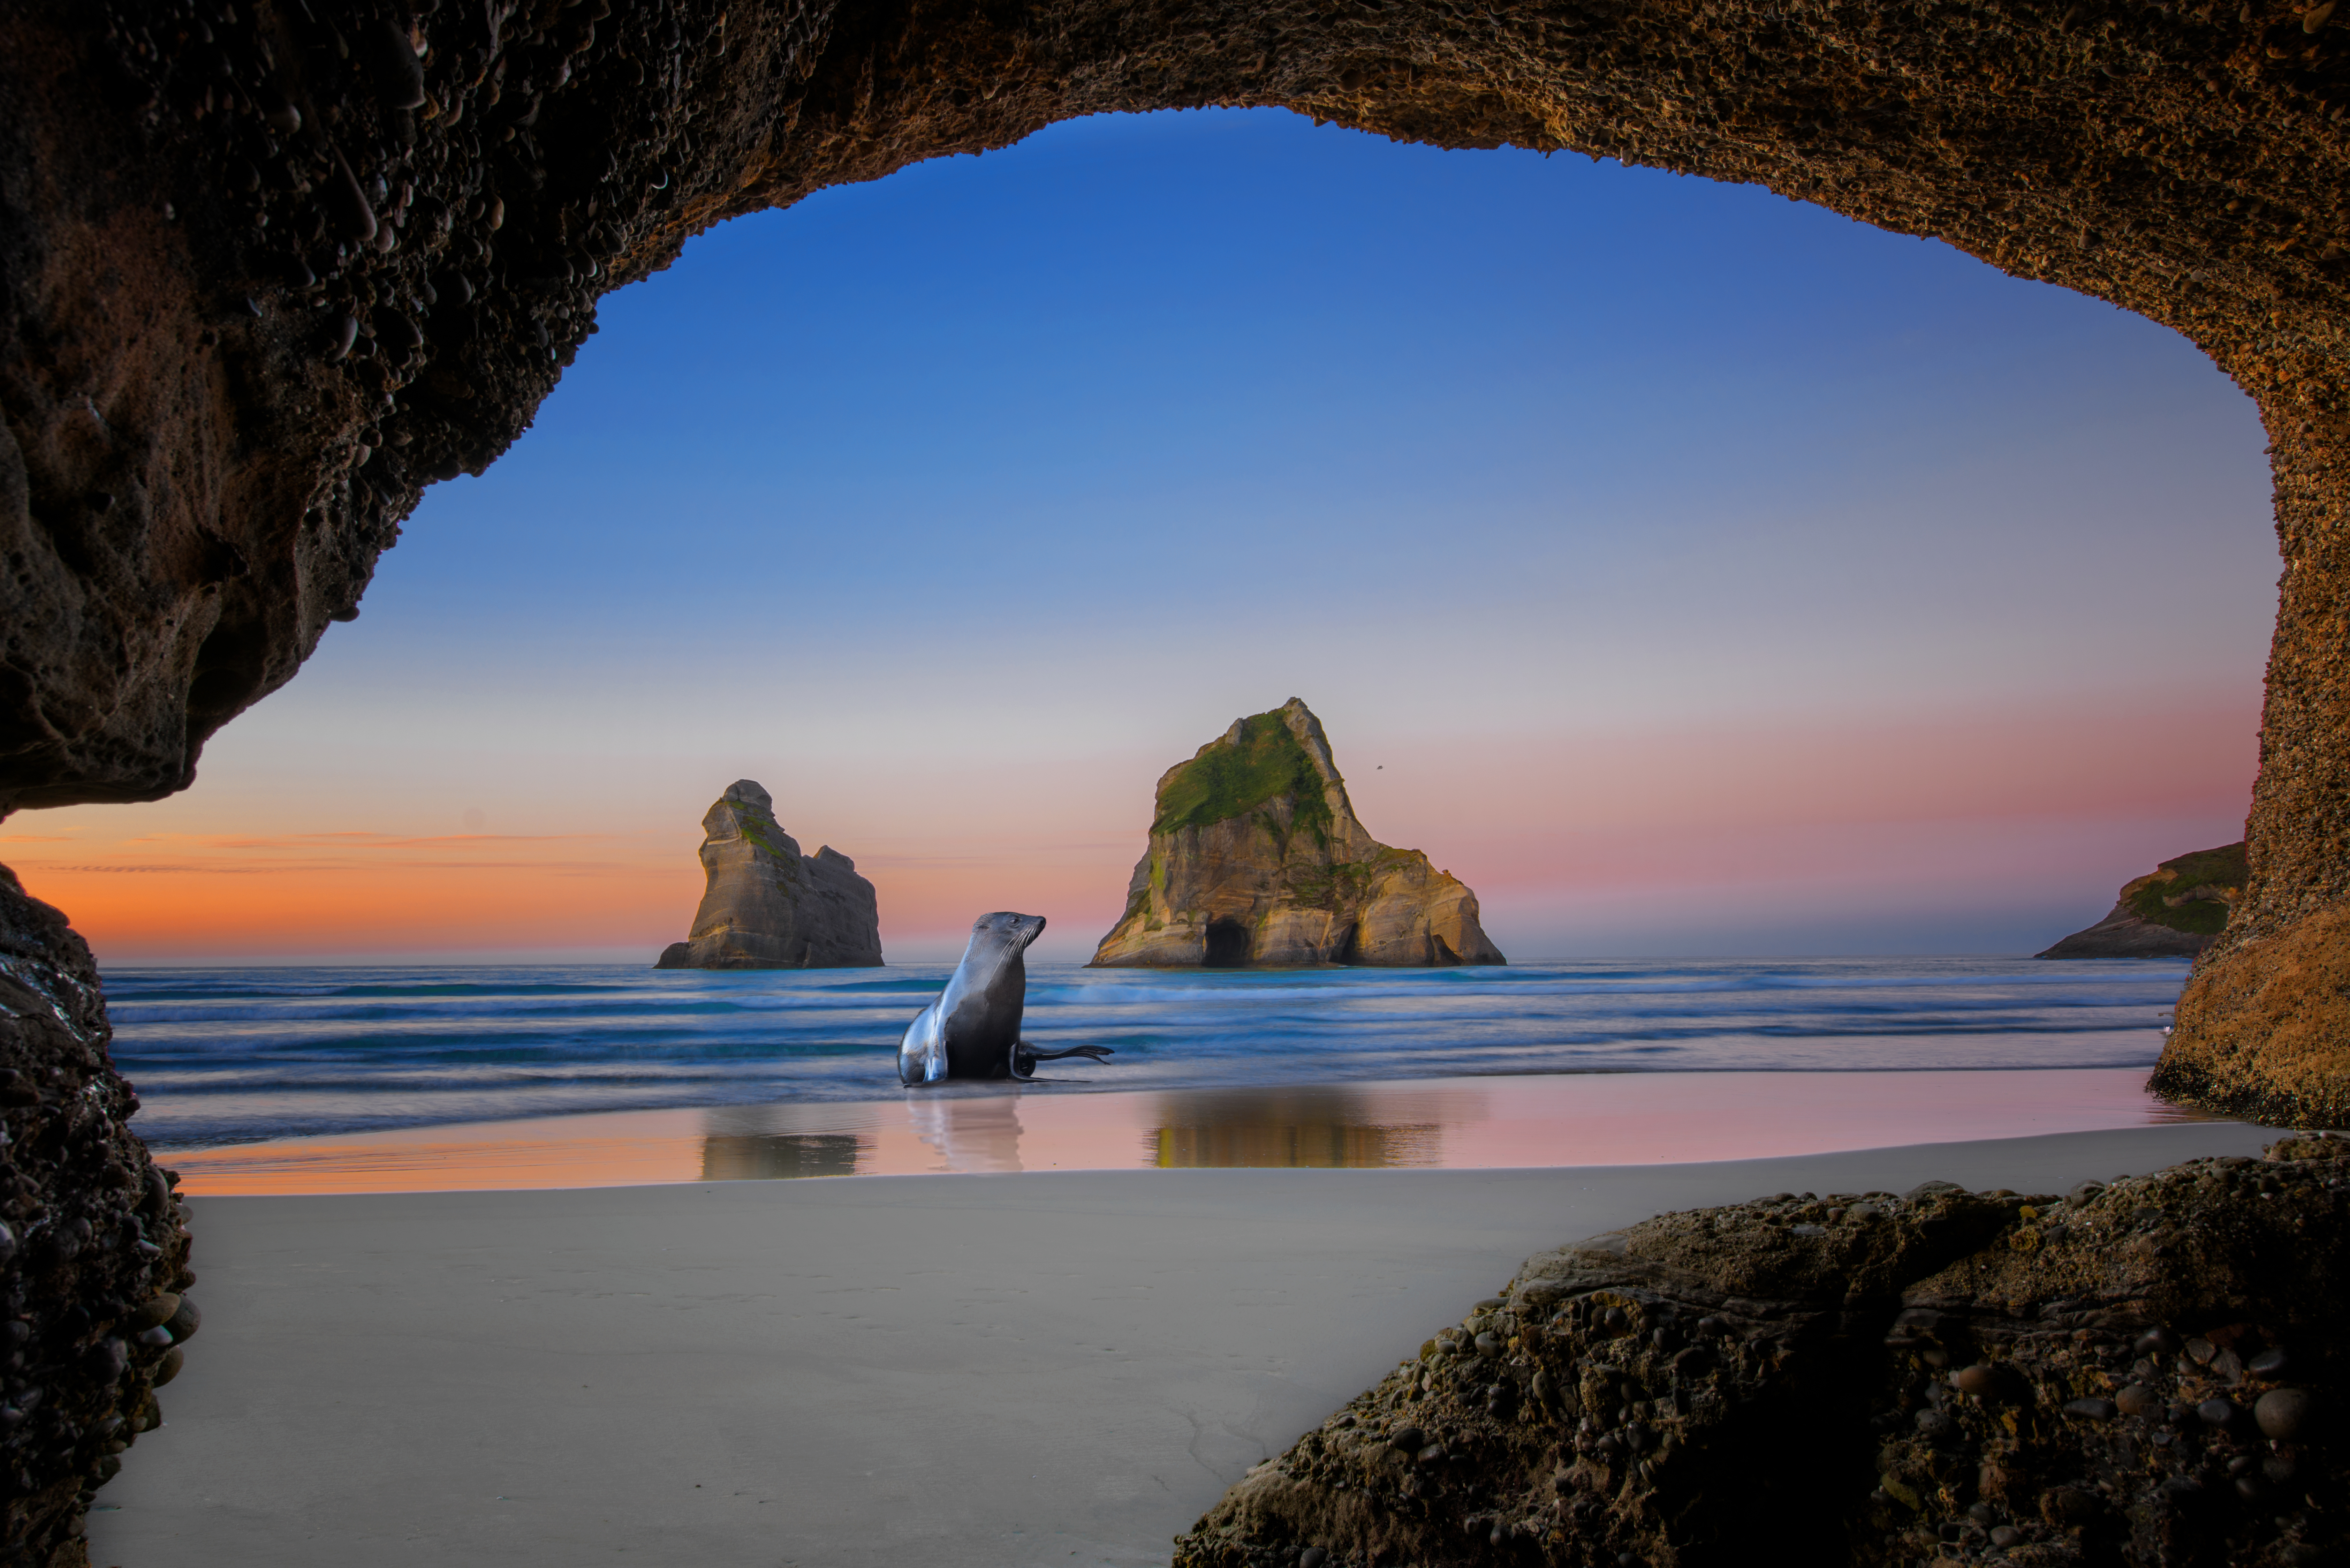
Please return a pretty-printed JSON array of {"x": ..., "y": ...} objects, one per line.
[
  {"x": 2176, "y": 910},
  {"x": 1256, "y": 860},
  {"x": 770, "y": 907}
]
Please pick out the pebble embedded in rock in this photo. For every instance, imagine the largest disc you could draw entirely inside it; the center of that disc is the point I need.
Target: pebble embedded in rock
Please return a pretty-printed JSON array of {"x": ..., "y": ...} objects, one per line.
[
  {"x": 157, "y": 1311},
  {"x": 1407, "y": 1439},
  {"x": 1934, "y": 1423},
  {"x": 168, "y": 1367},
  {"x": 1979, "y": 1380},
  {"x": 349, "y": 215},
  {"x": 182, "y": 1322},
  {"x": 395, "y": 328},
  {"x": 1926, "y": 1189},
  {"x": 2216, "y": 1412},
  {"x": 2091, "y": 1408},
  {"x": 2156, "y": 1342},
  {"x": 398, "y": 75},
  {"x": 1488, "y": 1346},
  {"x": 2267, "y": 1363},
  {"x": 1312, "y": 1557},
  {"x": 2285, "y": 1415},
  {"x": 2005, "y": 1536},
  {"x": 2201, "y": 1351},
  {"x": 340, "y": 337},
  {"x": 2138, "y": 1401}
]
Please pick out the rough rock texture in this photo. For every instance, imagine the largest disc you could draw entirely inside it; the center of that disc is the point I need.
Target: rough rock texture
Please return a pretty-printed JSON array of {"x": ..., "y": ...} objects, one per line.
[
  {"x": 93, "y": 1251},
  {"x": 2176, "y": 910},
  {"x": 267, "y": 269},
  {"x": 2259, "y": 1031},
  {"x": 1256, "y": 858},
  {"x": 768, "y": 906},
  {"x": 2150, "y": 1373}
]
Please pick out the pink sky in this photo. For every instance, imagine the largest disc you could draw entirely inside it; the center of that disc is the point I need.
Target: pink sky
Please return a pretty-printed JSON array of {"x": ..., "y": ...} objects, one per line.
[
  {"x": 1568, "y": 839},
  {"x": 1687, "y": 569}
]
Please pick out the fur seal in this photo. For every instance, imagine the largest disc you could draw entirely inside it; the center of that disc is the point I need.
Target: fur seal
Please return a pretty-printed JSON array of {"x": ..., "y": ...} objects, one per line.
[{"x": 972, "y": 1029}]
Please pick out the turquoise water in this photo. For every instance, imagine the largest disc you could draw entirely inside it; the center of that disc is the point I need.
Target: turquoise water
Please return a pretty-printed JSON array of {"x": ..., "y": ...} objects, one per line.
[{"x": 229, "y": 1055}]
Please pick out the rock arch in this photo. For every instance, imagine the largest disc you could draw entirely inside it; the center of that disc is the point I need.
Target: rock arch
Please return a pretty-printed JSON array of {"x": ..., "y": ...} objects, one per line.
[{"x": 268, "y": 271}]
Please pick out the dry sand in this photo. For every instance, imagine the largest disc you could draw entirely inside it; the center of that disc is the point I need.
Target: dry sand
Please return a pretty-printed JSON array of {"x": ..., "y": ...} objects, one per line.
[{"x": 1045, "y": 1368}]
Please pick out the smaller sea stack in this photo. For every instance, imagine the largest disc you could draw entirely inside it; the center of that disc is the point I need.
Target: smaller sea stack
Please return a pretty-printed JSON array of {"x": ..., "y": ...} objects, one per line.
[
  {"x": 770, "y": 907},
  {"x": 1256, "y": 860},
  {"x": 2176, "y": 910}
]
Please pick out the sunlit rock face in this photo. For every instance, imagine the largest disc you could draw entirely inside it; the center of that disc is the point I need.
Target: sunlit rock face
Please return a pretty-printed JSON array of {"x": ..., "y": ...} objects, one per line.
[
  {"x": 2121, "y": 1374},
  {"x": 1256, "y": 858},
  {"x": 767, "y": 906}
]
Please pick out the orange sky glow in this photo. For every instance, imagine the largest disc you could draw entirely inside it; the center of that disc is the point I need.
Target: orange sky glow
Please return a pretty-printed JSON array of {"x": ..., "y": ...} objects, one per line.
[{"x": 1900, "y": 812}]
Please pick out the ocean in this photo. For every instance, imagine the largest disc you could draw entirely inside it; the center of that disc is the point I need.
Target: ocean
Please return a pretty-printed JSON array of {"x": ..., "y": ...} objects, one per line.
[{"x": 225, "y": 1056}]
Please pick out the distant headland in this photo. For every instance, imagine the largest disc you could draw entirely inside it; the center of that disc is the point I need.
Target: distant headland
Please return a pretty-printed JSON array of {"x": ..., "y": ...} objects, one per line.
[
  {"x": 1256, "y": 858},
  {"x": 767, "y": 906},
  {"x": 2175, "y": 911}
]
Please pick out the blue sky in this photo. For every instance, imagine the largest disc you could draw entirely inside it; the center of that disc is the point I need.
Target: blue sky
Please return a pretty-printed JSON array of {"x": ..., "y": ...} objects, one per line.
[{"x": 958, "y": 505}]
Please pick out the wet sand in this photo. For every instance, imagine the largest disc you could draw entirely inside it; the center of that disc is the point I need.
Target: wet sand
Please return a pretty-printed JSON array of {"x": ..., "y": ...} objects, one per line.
[
  {"x": 1023, "y": 1369},
  {"x": 1501, "y": 1122}
]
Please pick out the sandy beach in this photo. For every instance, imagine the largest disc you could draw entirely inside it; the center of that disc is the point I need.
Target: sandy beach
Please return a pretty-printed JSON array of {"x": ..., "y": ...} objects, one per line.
[{"x": 1035, "y": 1368}]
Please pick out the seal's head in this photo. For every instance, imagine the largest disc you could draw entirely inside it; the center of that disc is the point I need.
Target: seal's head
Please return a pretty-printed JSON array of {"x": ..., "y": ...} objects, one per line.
[{"x": 1003, "y": 932}]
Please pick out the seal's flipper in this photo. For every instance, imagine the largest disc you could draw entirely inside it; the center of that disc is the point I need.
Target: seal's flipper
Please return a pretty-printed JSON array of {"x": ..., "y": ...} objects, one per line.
[
  {"x": 1026, "y": 1056},
  {"x": 922, "y": 1053}
]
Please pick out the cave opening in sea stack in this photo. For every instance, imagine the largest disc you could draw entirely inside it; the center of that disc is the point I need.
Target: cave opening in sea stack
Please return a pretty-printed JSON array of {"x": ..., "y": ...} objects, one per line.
[{"x": 1228, "y": 945}]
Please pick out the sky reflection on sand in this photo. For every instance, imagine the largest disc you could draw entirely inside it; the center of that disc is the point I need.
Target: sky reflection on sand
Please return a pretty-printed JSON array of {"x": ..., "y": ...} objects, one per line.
[{"x": 1596, "y": 1120}]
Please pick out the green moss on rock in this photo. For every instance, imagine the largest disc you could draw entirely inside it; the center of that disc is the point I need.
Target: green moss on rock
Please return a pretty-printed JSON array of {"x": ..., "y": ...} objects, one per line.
[
  {"x": 1235, "y": 774},
  {"x": 2184, "y": 894}
]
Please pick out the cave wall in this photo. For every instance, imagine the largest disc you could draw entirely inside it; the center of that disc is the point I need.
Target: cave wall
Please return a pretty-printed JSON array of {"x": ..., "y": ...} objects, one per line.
[
  {"x": 93, "y": 1246},
  {"x": 270, "y": 267}
]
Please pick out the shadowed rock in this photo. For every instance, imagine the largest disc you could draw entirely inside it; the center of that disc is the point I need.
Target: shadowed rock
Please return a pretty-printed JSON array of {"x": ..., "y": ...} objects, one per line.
[
  {"x": 2176, "y": 910},
  {"x": 93, "y": 1257},
  {"x": 768, "y": 906},
  {"x": 1939, "y": 1377},
  {"x": 1255, "y": 857}
]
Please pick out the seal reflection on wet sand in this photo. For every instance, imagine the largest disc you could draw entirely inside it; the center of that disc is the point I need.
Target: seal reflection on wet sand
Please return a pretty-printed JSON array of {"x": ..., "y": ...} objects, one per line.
[{"x": 1488, "y": 1123}]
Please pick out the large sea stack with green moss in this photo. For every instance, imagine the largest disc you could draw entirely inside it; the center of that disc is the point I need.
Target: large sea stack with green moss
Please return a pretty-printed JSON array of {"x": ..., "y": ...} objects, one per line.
[
  {"x": 1256, "y": 860},
  {"x": 2175, "y": 911},
  {"x": 767, "y": 906}
]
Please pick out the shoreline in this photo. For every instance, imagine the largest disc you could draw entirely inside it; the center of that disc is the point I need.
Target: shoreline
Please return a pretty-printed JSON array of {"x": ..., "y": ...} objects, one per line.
[
  {"x": 1058, "y": 1368},
  {"x": 1519, "y": 1121}
]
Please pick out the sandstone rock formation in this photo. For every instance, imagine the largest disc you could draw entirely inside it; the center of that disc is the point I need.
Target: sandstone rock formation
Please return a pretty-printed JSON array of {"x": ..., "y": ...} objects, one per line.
[
  {"x": 767, "y": 906},
  {"x": 2129, "y": 1374},
  {"x": 2175, "y": 911},
  {"x": 1256, "y": 858},
  {"x": 93, "y": 1252}
]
